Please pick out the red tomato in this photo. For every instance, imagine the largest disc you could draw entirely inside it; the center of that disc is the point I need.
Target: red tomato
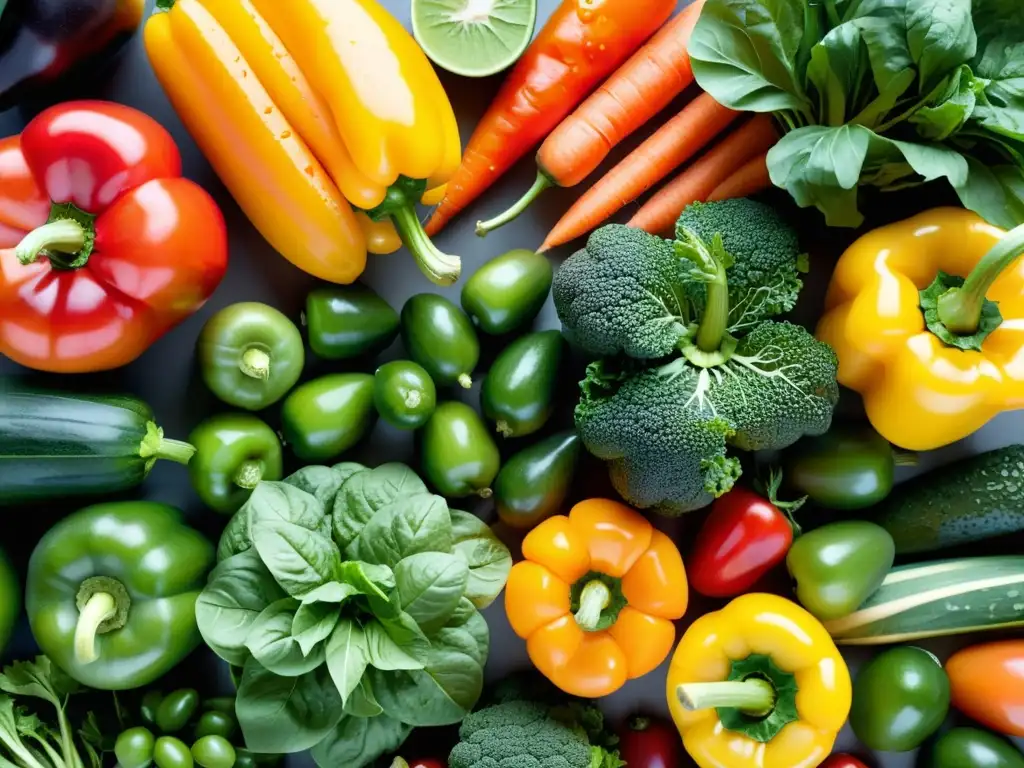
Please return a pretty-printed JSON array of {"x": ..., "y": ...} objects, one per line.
[
  {"x": 743, "y": 538},
  {"x": 651, "y": 743},
  {"x": 843, "y": 761},
  {"x": 426, "y": 762}
]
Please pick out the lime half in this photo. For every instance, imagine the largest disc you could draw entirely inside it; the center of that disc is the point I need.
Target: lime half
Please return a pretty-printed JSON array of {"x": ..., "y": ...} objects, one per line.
[{"x": 474, "y": 38}]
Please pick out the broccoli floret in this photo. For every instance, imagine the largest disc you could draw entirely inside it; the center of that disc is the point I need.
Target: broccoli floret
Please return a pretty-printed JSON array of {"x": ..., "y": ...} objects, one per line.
[
  {"x": 526, "y": 734},
  {"x": 665, "y": 445},
  {"x": 764, "y": 278},
  {"x": 622, "y": 294}
]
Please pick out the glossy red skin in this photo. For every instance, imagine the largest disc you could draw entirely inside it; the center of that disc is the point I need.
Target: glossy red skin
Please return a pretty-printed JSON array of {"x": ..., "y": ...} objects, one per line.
[
  {"x": 658, "y": 745},
  {"x": 744, "y": 537},
  {"x": 843, "y": 761},
  {"x": 160, "y": 249},
  {"x": 427, "y": 763}
]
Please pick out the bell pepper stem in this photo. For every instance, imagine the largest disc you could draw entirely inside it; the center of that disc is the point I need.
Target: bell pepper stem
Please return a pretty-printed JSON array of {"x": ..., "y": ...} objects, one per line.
[
  {"x": 249, "y": 474},
  {"x": 155, "y": 446},
  {"x": 64, "y": 236},
  {"x": 98, "y": 609},
  {"x": 465, "y": 381},
  {"x": 441, "y": 268},
  {"x": 255, "y": 363},
  {"x": 594, "y": 599},
  {"x": 753, "y": 696},
  {"x": 960, "y": 308},
  {"x": 484, "y": 228}
]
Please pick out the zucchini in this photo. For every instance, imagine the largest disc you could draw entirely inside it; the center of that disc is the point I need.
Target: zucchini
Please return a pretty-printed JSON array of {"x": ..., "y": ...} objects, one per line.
[
  {"x": 54, "y": 444},
  {"x": 947, "y": 597},
  {"x": 975, "y": 499}
]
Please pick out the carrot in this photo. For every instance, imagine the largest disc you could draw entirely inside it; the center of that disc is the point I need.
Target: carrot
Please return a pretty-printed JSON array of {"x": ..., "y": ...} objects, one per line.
[
  {"x": 576, "y": 50},
  {"x": 751, "y": 178},
  {"x": 669, "y": 147},
  {"x": 639, "y": 90}
]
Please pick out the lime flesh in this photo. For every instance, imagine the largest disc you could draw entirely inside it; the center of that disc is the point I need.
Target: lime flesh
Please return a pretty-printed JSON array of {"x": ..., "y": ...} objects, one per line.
[{"x": 475, "y": 38}]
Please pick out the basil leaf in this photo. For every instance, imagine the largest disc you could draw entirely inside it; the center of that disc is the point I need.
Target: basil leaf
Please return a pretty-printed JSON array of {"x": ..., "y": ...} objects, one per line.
[
  {"x": 347, "y": 657},
  {"x": 995, "y": 193},
  {"x": 236, "y": 592},
  {"x": 837, "y": 65},
  {"x": 430, "y": 586},
  {"x": 359, "y": 741},
  {"x": 384, "y": 653},
  {"x": 281, "y": 715},
  {"x": 362, "y": 702},
  {"x": 952, "y": 109},
  {"x": 365, "y": 492},
  {"x": 313, "y": 623},
  {"x": 272, "y": 644},
  {"x": 489, "y": 560},
  {"x": 744, "y": 53},
  {"x": 449, "y": 685},
  {"x": 940, "y": 37},
  {"x": 332, "y": 592},
  {"x": 406, "y": 526}
]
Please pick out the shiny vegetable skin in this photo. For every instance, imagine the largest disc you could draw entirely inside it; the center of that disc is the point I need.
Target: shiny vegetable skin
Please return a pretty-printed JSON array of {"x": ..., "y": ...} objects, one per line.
[
  {"x": 404, "y": 394},
  {"x": 971, "y": 748},
  {"x": 987, "y": 683},
  {"x": 648, "y": 742},
  {"x": 325, "y": 417},
  {"x": 507, "y": 292},
  {"x": 111, "y": 593},
  {"x": 350, "y": 321},
  {"x": 843, "y": 761},
  {"x": 458, "y": 453},
  {"x": 849, "y": 467},
  {"x": 134, "y": 748},
  {"x": 234, "y": 453},
  {"x": 900, "y": 698},
  {"x": 250, "y": 355},
  {"x": 534, "y": 484},
  {"x": 440, "y": 337},
  {"x": 213, "y": 752},
  {"x": 518, "y": 394},
  {"x": 169, "y": 752},
  {"x": 10, "y": 600},
  {"x": 743, "y": 538}
]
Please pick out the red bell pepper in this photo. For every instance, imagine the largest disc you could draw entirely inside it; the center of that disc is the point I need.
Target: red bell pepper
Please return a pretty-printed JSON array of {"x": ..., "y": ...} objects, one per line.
[
  {"x": 843, "y": 761},
  {"x": 111, "y": 247}
]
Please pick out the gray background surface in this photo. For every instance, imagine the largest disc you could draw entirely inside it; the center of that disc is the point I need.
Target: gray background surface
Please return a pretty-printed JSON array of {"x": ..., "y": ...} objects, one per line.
[{"x": 164, "y": 375}]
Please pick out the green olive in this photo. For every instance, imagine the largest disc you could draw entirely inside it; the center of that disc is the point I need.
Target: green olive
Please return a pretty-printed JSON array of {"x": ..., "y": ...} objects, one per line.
[
  {"x": 214, "y": 752},
  {"x": 150, "y": 704},
  {"x": 176, "y": 710},
  {"x": 224, "y": 704},
  {"x": 215, "y": 723},
  {"x": 170, "y": 752},
  {"x": 134, "y": 748}
]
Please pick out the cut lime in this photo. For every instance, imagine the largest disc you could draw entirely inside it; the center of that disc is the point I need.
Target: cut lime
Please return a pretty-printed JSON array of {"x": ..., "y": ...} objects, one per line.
[{"x": 474, "y": 38}]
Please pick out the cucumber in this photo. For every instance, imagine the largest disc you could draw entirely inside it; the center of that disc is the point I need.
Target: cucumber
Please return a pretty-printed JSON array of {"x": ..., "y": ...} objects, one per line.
[
  {"x": 978, "y": 498},
  {"x": 54, "y": 444},
  {"x": 948, "y": 597}
]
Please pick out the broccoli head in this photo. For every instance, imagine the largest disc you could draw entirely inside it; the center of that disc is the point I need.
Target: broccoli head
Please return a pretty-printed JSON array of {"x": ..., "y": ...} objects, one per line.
[
  {"x": 622, "y": 294},
  {"x": 527, "y": 734}
]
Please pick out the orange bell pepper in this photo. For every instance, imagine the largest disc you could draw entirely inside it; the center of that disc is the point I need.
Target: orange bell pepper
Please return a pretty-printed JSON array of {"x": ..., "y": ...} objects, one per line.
[
  {"x": 596, "y": 597},
  {"x": 987, "y": 684}
]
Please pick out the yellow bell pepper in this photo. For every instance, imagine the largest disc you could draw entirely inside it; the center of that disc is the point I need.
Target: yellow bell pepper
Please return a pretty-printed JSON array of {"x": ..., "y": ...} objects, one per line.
[
  {"x": 596, "y": 596},
  {"x": 758, "y": 684},
  {"x": 927, "y": 319}
]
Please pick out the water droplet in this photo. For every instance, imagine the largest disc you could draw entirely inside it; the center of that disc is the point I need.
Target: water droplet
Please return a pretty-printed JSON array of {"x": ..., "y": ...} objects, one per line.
[
  {"x": 1013, "y": 593},
  {"x": 492, "y": 169},
  {"x": 268, "y": 110},
  {"x": 309, "y": 170},
  {"x": 286, "y": 134},
  {"x": 245, "y": 73},
  {"x": 1018, "y": 607},
  {"x": 575, "y": 69},
  {"x": 237, "y": 59},
  {"x": 601, "y": 47}
]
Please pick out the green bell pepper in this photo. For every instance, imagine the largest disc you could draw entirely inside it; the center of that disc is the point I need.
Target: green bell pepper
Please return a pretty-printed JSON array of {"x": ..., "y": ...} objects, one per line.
[
  {"x": 250, "y": 355},
  {"x": 111, "y": 592},
  {"x": 971, "y": 748},
  {"x": 10, "y": 600},
  {"x": 234, "y": 452},
  {"x": 839, "y": 566}
]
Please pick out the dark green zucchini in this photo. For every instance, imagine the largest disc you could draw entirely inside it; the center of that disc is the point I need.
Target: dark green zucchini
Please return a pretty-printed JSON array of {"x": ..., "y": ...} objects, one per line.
[
  {"x": 978, "y": 498},
  {"x": 54, "y": 444}
]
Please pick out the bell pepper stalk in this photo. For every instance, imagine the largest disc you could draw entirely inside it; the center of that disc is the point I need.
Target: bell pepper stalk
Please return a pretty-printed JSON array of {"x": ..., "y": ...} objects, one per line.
[
  {"x": 596, "y": 596},
  {"x": 727, "y": 700},
  {"x": 117, "y": 248},
  {"x": 915, "y": 312},
  {"x": 111, "y": 593}
]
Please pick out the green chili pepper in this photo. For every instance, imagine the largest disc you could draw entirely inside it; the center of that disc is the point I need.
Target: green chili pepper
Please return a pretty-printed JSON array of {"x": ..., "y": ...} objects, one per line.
[{"x": 234, "y": 452}]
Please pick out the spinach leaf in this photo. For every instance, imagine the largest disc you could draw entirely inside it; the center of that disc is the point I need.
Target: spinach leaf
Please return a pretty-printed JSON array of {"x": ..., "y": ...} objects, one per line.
[
  {"x": 929, "y": 161},
  {"x": 744, "y": 53},
  {"x": 407, "y": 634},
  {"x": 995, "y": 193},
  {"x": 237, "y": 591},
  {"x": 835, "y": 69},
  {"x": 358, "y": 742},
  {"x": 271, "y": 641},
  {"x": 332, "y": 592},
  {"x": 313, "y": 623},
  {"x": 940, "y": 37},
  {"x": 1000, "y": 61},
  {"x": 323, "y": 482},
  {"x": 347, "y": 656},
  {"x": 449, "y": 685},
  {"x": 874, "y": 113},
  {"x": 489, "y": 560},
  {"x": 384, "y": 653},
  {"x": 951, "y": 109},
  {"x": 883, "y": 27},
  {"x": 362, "y": 702},
  {"x": 365, "y": 492},
  {"x": 235, "y": 538},
  {"x": 406, "y": 526},
  {"x": 430, "y": 586},
  {"x": 281, "y": 715}
]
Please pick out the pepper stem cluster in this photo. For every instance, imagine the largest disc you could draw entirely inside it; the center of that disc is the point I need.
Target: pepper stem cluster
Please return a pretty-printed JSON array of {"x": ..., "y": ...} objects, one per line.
[
  {"x": 103, "y": 604},
  {"x": 66, "y": 239},
  {"x": 596, "y": 601}
]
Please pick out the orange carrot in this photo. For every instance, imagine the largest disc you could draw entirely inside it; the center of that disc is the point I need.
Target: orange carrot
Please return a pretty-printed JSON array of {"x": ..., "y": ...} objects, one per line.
[
  {"x": 659, "y": 214},
  {"x": 670, "y": 146},
  {"x": 748, "y": 180},
  {"x": 639, "y": 90}
]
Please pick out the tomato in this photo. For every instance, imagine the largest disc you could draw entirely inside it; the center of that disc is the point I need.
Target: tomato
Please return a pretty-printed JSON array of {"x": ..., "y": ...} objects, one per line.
[
  {"x": 651, "y": 743},
  {"x": 843, "y": 761},
  {"x": 743, "y": 538},
  {"x": 425, "y": 762}
]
